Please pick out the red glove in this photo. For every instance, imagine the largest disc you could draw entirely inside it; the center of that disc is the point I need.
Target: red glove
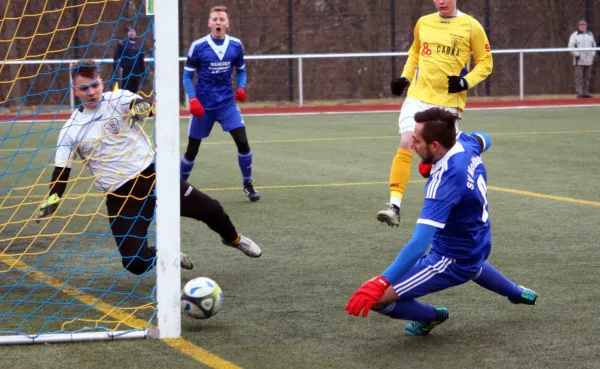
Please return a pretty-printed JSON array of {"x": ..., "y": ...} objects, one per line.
[
  {"x": 196, "y": 108},
  {"x": 240, "y": 95},
  {"x": 425, "y": 169},
  {"x": 367, "y": 295}
]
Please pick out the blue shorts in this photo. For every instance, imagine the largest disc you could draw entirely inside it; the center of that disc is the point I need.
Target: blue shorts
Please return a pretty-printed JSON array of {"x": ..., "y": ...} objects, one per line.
[
  {"x": 433, "y": 273},
  {"x": 229, "y": 117}
]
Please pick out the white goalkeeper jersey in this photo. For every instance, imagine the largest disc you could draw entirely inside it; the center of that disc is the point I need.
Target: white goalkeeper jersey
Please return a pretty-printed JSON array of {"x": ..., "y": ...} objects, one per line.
[{"x": 103, "y": 140}]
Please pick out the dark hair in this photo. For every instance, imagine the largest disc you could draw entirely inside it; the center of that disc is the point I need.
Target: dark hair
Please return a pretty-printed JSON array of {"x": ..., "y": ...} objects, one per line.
[
  {"x": 438, "y": 125},
  {"x": 218, "y": 8},
  {"x": 87, "y": 68}
]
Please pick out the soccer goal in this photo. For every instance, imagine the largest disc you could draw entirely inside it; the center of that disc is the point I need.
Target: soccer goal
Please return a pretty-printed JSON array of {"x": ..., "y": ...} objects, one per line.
[{"x": 62, "y": 279}]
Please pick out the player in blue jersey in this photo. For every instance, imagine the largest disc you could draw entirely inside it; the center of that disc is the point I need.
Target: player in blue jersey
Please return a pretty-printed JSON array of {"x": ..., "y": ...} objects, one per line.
[
  {"x": 213, "y": 57},
  {"x": 454, "y": 221}
]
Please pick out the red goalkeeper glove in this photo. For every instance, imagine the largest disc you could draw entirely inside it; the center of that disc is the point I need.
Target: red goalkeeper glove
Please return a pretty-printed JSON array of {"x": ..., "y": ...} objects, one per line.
[
  {"x": 240, "y": 95},
  {"x": 196, "y": 108},
  {"x": 367, "y": 295}
]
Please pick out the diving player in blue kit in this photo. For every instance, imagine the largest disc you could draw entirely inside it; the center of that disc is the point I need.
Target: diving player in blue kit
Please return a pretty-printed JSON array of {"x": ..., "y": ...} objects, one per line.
[{"x": 454, "y": 220}]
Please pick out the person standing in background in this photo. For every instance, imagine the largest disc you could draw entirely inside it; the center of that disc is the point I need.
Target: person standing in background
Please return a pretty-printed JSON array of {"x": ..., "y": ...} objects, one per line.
[
  {"x": 130, "y": 57},
  {"x": 582, "y": 60}
]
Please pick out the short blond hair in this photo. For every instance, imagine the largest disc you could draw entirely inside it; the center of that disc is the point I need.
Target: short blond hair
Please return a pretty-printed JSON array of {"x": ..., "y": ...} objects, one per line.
[{"x": 218, "y": 8}]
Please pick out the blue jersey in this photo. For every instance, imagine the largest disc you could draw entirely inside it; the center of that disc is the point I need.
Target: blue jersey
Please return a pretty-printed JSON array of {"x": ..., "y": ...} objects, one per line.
[
  {"x": 456, "y": 203},
  {"x": 214, "y": 66}
]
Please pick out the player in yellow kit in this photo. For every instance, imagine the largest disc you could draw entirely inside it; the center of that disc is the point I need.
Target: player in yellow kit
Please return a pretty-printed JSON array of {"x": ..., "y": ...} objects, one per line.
[{"x": 437, "y": 72}]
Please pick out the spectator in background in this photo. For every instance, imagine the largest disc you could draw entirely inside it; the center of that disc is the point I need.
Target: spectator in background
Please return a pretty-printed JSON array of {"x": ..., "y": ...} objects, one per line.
[
  {"x": 130, "y": 57},
  {"x": 582, "y": 60}
]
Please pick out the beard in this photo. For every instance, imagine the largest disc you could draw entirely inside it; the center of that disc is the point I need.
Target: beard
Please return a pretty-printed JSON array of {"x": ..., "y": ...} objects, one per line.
[{"x": 427, "y": 157}]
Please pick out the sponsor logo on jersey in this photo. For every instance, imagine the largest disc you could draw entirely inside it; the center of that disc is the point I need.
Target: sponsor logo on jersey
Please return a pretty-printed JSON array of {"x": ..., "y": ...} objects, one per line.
[
  {"x": 452, "y": 50},
  {"x": 219, "y": 67},
  {"x": 425, "y": 50}
]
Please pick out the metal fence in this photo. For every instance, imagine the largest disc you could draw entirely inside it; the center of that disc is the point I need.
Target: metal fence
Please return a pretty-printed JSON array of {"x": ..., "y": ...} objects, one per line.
[{"x": 300, "y": 59}]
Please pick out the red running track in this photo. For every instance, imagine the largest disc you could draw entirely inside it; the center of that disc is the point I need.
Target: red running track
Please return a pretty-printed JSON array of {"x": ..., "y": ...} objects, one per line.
[{"x": 346, "y": 108}]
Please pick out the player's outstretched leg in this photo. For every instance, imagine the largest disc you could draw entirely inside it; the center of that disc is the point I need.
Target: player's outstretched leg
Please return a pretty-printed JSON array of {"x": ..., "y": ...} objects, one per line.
[
  {"x": 245, "y": 245},
  {"x": 490, "y": 278},
  {"x": 197, "y": 205},
  {"x": 528, "y": 297},
  {"x": 245, "y": 162},
  {"x": 424, "y": 317}
]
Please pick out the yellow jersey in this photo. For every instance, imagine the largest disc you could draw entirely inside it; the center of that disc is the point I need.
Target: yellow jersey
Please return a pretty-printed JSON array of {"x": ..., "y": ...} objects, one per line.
[{"x": 442, "y": 47}]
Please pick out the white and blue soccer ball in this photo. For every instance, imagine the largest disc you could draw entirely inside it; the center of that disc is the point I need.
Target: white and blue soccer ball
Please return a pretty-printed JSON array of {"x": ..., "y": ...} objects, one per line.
[{"x": 201, "y": 298}]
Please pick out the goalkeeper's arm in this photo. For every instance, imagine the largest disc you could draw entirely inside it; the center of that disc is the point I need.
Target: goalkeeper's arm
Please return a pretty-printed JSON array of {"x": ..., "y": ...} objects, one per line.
[{"x": 58, "y": 185}]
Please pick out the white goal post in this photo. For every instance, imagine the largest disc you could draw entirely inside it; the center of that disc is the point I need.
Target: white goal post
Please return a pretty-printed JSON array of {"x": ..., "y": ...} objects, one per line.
[{"x": 168, "y": 212}]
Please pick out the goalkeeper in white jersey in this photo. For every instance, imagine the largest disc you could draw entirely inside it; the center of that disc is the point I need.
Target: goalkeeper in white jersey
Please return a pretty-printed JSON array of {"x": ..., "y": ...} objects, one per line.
[{"x": 104, "y": 132}]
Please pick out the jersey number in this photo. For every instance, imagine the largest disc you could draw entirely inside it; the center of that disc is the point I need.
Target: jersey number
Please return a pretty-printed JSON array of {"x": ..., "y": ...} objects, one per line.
[{"x": 483, "y": 190}]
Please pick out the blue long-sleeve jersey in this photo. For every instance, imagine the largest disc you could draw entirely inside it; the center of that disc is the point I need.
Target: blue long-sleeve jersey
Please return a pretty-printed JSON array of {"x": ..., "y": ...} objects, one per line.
[{"x": 213, "y": 60}]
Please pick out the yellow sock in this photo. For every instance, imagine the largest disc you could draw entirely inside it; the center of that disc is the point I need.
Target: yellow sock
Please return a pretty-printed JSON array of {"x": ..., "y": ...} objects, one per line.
[{"x": 399, "y": 175}]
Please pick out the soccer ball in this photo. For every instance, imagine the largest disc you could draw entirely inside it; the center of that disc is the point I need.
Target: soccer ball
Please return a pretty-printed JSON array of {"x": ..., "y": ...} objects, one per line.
[{"x": 201, "y": 298}]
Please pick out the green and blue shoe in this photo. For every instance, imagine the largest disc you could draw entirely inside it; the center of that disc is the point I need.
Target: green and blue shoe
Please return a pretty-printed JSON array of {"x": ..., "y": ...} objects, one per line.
[
  {"x": 528, "y": 297},
  {"x": 416, "y": 328}
]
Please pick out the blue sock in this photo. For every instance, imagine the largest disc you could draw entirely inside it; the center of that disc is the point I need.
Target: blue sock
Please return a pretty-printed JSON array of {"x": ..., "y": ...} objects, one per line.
[
  {"x": 245, "y": 161},
  {"x": 186, "y": 168},
  {"x": 410, "y": 310},
  {"x": 491, "y": 279}
]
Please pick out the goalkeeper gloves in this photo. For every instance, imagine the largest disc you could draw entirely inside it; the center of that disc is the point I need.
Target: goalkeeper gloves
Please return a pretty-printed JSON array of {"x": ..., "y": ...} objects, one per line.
[
  {"x": 457, "y": 84},
  {"x": 140, "y": 112},
  {"x": 367, "y": 295},
  {"x": 48, "y": 207},
  {"x": 240, "y": 95},
  {"x": 398, "y": 85},
  {"x": 196, "y": 108}
]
